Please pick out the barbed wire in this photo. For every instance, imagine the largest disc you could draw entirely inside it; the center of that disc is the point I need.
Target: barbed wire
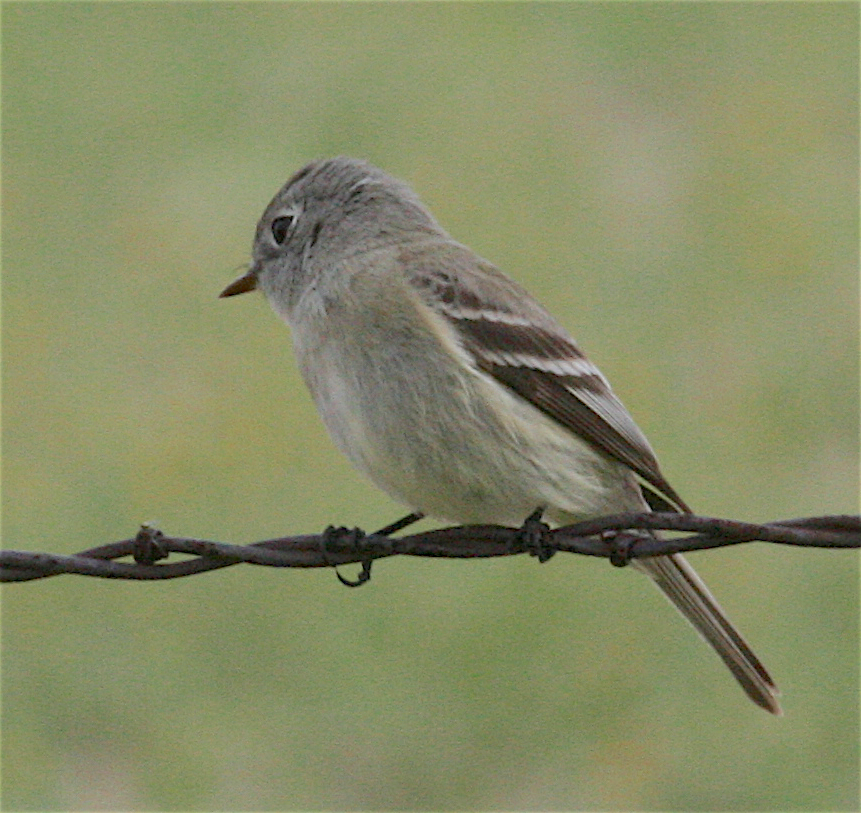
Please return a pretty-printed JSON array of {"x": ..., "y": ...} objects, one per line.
[{"x": 620, "y": 538}]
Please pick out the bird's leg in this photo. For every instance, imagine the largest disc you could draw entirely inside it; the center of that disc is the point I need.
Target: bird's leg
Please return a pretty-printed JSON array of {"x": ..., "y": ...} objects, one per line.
[{"x": 400, "y": 524}]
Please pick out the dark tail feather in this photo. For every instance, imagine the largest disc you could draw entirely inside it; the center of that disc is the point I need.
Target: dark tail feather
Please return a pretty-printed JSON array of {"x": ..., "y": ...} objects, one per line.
[{"x": 680, "y": 583}]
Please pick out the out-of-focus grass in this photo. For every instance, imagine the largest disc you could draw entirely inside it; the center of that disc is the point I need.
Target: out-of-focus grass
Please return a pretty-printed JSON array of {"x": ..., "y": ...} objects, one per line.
[{"x": 677, "y": 181}]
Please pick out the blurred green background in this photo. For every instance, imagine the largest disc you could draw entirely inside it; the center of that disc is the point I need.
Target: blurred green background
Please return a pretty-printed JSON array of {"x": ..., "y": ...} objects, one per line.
[{"x": 678, "y": 182}]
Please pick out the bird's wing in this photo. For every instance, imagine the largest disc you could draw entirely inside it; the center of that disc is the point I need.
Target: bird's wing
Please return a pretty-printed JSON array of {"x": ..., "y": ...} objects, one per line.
[{"x": 511, "y": 337}]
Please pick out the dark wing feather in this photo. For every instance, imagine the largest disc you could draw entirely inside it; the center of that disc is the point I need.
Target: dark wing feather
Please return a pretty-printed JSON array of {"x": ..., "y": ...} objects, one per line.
[
  {"x": 564, "y": 401},
  {"x": 515, "y": 340}
]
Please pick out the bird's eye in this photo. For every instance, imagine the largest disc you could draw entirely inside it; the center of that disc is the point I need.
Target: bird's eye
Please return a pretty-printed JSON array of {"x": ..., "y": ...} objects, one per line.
[{"x": 280, "y": 227}]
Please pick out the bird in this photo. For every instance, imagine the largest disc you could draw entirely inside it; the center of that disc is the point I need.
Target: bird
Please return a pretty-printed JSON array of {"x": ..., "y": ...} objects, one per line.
[{"x": 453, "y": 389}]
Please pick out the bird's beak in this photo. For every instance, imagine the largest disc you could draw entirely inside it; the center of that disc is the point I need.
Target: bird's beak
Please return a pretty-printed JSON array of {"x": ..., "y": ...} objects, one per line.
[{"x": 247, "y": 282}]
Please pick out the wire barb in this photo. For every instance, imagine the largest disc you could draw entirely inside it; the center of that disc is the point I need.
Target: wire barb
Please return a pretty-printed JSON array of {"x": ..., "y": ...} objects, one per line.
[{"x": 343, "y": 546}]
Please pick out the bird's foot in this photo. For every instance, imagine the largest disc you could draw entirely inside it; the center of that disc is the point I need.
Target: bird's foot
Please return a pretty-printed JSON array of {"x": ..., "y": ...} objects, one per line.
[
  {"x": 355, "y": 536},
  {"x": 533, "y": 536},
  {"x": 352, "y": 537}
]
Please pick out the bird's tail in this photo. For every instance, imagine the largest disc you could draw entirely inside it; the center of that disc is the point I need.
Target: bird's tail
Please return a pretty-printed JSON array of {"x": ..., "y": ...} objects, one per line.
[{"x": 681, "y": 585}]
